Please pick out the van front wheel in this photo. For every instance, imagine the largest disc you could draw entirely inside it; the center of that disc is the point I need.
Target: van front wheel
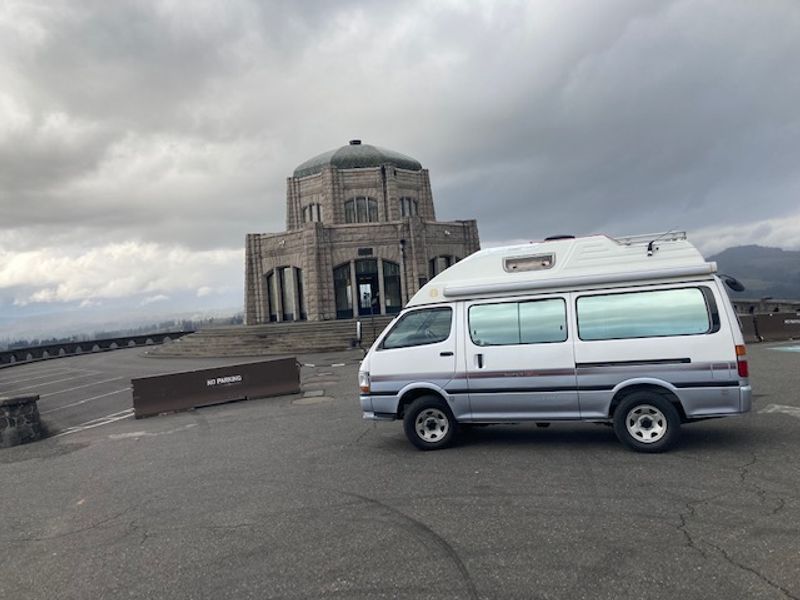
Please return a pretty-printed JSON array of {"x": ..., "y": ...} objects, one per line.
[
  {"x": 647, "y": 422},
  {"x": 429, "y": 424}
]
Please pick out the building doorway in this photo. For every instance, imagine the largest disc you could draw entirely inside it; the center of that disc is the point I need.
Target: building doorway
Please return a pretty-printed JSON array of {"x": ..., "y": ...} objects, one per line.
[{"x": 369, "y": 302}]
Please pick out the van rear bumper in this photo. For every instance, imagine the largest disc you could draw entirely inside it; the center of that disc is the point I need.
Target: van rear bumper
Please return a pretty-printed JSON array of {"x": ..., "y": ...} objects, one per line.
[{"x": 745, "y": 398}]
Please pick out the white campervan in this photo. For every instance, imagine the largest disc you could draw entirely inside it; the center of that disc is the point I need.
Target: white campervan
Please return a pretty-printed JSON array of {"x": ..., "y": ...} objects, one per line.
[{"x": 637, "y": 332}]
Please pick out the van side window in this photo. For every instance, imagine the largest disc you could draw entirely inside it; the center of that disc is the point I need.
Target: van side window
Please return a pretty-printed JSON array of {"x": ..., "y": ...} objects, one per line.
[
  {"x": 655, "y": 313},
  {"x": 508, "y": 323},
  {"x": 427, "y": 326}
]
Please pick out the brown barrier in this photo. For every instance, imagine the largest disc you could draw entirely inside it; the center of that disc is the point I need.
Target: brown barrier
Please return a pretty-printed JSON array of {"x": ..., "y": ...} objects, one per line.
[
  {"x": 778, "y": 326},
  {"x": 748, "y": 328},
  {"x": 190, "y": 389}
]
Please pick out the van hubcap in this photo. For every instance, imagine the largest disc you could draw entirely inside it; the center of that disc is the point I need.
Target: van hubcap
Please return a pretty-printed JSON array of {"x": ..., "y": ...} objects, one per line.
[
  {"x": 646, "y": 423},
  {"x": 431, "y": 425}
]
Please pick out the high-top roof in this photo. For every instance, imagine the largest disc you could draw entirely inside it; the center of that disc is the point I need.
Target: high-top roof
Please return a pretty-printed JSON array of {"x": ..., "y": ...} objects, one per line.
[
  {"x": 356, "y": 155},
  {"x": 565, "y": 263}
]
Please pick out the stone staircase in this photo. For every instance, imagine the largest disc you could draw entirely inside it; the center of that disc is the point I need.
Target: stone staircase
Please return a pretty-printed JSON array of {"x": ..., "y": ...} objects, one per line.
[{"x": 273, "y": 339}]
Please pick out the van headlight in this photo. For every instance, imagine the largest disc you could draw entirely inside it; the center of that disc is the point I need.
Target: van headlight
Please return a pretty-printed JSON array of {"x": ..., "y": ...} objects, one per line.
[{"x": 363, "y": 382}]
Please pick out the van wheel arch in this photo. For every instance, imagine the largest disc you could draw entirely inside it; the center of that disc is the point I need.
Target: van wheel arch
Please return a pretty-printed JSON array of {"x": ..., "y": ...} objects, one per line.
[
  {"x": 647, "y": 387},
  {"x": 412, "y": 395}
]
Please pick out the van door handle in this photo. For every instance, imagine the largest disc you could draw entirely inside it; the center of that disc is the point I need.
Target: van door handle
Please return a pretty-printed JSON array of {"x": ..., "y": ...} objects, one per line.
[
  {"x": 445, "y": 354},
  {"x": 480, "y": 361}
]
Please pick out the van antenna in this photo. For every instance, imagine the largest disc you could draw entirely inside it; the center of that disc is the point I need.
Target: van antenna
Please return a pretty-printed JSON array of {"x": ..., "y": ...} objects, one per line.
[{"x": 650, "y": 244}]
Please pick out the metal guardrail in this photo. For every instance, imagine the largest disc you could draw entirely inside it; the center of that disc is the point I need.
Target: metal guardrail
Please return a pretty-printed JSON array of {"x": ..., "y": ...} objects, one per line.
[
  {"x": 29, "y": 354},
  {"x": 204, "y": 387}
]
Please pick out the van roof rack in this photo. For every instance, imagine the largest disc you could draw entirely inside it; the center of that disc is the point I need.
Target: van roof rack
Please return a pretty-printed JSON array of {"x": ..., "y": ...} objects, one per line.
[{"x": 646, "y": 238}]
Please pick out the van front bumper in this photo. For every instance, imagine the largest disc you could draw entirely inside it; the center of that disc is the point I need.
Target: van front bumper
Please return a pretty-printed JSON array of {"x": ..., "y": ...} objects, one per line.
[
  {"x": 379, "y": 407},
  {"x": 373, "y": 416}
]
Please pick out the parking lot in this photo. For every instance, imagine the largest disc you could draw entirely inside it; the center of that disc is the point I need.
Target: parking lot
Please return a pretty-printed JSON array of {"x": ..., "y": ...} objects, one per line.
[{"x": 297, "y": 497}]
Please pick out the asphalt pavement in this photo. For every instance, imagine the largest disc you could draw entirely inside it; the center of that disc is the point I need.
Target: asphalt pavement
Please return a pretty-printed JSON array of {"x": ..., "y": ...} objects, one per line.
[{"x": 297, "y": 497}]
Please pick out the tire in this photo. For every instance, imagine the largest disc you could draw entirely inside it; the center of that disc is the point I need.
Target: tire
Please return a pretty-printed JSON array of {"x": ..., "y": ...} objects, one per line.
[
  {"x": 647, "y": 422},
  {"x": 429, "y": 424}
]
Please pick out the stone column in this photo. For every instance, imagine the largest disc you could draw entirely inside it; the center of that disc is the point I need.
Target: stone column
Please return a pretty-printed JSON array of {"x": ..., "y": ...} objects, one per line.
[
  {"x": 354, "y": 283},
  {"x": 380, "y": 287}
]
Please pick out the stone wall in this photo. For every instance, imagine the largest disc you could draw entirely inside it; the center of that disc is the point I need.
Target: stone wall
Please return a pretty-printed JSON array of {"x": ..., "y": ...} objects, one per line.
[{"x": 19, "y": 420}]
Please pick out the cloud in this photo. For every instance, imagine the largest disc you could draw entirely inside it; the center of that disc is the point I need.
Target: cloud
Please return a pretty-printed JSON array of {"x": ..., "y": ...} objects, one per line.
[
  {"x": 113, "y": 271},
  {"x": 778, "y": 233},
  {"x": 169, "y": 128},
  {"x": 151, "y": 299}
]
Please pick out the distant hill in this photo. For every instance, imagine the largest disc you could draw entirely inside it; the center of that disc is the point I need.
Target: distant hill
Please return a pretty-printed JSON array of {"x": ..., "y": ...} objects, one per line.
[{"x": 763, "y": 271}]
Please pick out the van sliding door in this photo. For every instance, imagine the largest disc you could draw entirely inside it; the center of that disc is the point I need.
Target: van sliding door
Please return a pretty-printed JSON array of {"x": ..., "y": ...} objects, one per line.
[{"x": 519, "y": 360}]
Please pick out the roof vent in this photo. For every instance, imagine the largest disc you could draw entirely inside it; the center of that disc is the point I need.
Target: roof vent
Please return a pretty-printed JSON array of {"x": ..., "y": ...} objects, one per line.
[
  {"x": 355, "y": 142},
  {"x": 553, "y": 238},
  {"x": 537, "y": 262}
]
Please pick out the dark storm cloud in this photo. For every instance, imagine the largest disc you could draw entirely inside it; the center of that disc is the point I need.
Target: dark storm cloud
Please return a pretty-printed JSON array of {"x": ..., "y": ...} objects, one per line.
[{"x": 176, "y": 123}]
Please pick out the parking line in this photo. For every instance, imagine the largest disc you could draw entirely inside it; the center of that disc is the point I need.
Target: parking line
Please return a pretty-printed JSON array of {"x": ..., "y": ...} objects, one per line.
[
  {"x": 80, "y": 387},
  {"x": 113, "y": 417},
  {"x": 33, "y": 387},
  {"x": 62, "y": 370},
  {"x": 79, "y": 402}
]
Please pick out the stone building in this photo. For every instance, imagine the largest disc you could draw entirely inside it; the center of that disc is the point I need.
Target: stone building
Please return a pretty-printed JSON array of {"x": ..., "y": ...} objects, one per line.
[{"x": 361, "y": 239}]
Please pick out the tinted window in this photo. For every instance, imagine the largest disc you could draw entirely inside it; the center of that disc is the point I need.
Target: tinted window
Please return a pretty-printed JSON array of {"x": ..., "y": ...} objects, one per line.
[
  {"x": 427, "y": 326},
  {"x": 533, "y": 322},
  {"x": 643, "y": 314}
]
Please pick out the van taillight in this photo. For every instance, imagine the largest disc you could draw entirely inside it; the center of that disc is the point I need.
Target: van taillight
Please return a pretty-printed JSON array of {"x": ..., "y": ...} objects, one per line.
[{"x": 741, "y": 361}]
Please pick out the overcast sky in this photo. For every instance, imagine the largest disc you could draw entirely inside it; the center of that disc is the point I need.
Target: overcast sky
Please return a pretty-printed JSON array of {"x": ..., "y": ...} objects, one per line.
[{"x": 140, "y": 141}]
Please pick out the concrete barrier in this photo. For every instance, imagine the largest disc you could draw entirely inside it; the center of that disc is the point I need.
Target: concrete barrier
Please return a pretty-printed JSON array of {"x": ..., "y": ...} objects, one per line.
[
  {"x": 777, "y": 327},
  {"x": 19, "y": 420},
  {"x": 748, "y": 328},
  {"x": 204, "y": 387}
]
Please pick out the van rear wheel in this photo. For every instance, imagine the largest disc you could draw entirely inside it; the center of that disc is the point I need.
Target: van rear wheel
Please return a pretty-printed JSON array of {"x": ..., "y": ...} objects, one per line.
[
  {"x": 429, "y": 424},
  {"x": 647, "y": 422}
]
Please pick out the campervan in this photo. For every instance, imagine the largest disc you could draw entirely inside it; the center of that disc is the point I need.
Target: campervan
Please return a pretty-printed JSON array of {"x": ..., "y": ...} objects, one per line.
[{"x": 636, "y": 332}]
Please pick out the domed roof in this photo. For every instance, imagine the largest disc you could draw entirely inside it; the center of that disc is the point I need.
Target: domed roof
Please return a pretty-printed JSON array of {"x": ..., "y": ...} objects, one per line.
[{"x": 356, "y": 156}]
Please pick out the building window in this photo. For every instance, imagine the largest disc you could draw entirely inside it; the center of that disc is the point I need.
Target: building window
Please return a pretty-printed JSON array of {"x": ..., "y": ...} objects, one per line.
[
  {"x": 439, "y": 263},
  {"x": 343, "y": 291},
  {"x": 408, "y": 207},
  {"x": 272, "y": 302},
  {"x": 391, "y": 287},
  {"x": 312, "y": 213},
  {"x": 361, "y": 210}
]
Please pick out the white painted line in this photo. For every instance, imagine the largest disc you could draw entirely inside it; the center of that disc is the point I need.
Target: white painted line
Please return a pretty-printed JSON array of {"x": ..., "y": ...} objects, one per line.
[
  {"x": 80, "y": 387},
  {"x": 61, "y": 372},
  {"x": 782, "y": 408},
  {"x": 337, "y": 365},
  {"x": 309, "y": 365},
  {"x": 38, "y": 385},
  {"x": 116, "y": 414},
  {"x": 79, "y": 402},
  {"x": 125, "y": 414},
  {"x": 138, "y": 434}
]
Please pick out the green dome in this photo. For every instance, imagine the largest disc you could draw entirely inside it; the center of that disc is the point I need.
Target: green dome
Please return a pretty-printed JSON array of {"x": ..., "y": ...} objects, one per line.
[{"x": 356, "y": 156}]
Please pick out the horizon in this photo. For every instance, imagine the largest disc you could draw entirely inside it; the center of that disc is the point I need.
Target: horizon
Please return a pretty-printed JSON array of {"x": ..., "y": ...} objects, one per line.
[{"x": 135, "y": 160}]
